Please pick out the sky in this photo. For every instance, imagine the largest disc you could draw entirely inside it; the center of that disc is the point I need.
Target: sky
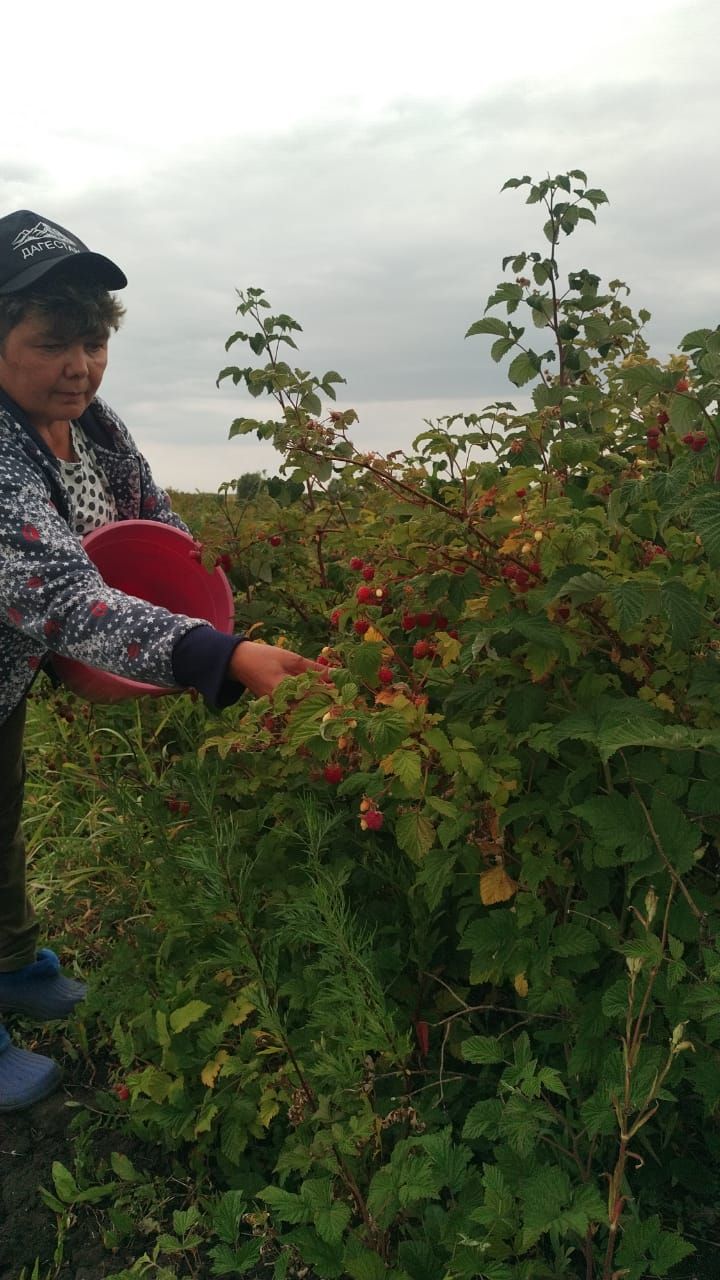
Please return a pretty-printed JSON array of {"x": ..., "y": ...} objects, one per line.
[{"x": 349, "y": 161}]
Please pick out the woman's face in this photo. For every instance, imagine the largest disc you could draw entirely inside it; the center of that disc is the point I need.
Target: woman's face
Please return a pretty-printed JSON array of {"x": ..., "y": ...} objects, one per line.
[{"x": 51, "y": 379}]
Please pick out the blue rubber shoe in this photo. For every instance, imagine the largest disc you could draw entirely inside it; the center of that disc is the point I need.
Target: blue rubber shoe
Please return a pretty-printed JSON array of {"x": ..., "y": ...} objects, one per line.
[
  {"x": 25, "y": 1078},
  {"x": 39, "y": 990}
]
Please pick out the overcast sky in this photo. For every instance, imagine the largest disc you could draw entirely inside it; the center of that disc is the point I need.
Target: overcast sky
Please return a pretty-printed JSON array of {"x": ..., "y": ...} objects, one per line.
[{"x": 349, "y": 161}]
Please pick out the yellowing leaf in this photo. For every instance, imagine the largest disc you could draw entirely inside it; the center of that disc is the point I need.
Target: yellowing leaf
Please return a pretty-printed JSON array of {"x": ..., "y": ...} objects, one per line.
[
  {"x": 189, "y": 1013},
  {"x": 236, "y": 1012},
  {"x": 496, "y": 886},
  {"x": 448, "y": 648},
  {"x": 372, "y": 636},
  {"x": 226, "y": 977},
  {"x": 211, "y": 1070},
  {"x": 268, "y": 1109},
  {"x": 390, "y": 698},
  {"x": 520, "y": 984}
]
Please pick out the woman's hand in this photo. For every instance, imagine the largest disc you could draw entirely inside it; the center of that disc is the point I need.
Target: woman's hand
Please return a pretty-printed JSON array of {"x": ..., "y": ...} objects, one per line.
[{"x": 261, "y": 667}]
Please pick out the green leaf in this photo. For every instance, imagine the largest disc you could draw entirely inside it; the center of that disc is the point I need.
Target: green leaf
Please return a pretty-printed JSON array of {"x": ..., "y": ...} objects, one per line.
[
  {"x": 685, "y": 413},
  {"x": 285, "y": 1205},
  {"x": 124, "y": 1168},
  {"x": 705, "y": 517},
  {"x": 523, "y": 368},
  {"x": 683, "y": 610},
  {"x": 501, "y": 348},
  {"x": 483, "y": 1050},
  {"x": 483, "y": 1119},
  {"x": 629, "y": 601},
  {"x": 64, "y": 1182},
  {"x": 415, "y": 835},
  {"x": 407, "y": 766},
  {"x": 182, "y": 1018},
  {"x": 490, "y": 325}
]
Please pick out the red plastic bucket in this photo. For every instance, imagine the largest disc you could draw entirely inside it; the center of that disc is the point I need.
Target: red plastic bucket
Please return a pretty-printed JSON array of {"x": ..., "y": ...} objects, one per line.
[{"x": 160, "y": 564}]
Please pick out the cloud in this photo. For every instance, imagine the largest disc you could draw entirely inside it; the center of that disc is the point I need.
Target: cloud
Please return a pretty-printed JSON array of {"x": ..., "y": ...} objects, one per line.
[{"x": 383, "y": 234}]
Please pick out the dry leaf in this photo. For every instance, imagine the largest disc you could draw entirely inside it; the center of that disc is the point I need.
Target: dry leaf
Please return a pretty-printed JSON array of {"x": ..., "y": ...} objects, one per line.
[
  {"x": 520, "y": 984},
  {"x": 496, "y": 886}
]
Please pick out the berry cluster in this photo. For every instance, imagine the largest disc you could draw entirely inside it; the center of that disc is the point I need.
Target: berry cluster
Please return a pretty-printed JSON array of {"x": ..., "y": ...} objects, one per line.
[
  {"x": 371, "y": 818},
  {"x": 696, "y": 440}
]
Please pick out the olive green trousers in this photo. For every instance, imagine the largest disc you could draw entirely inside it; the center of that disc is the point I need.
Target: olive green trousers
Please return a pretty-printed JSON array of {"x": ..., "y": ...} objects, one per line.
[{"x": 18, "y": 926}]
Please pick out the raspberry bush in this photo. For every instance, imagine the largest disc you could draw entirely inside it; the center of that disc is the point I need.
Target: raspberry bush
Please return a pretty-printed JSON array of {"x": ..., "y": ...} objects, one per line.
[{"x": 441, "y": 983}]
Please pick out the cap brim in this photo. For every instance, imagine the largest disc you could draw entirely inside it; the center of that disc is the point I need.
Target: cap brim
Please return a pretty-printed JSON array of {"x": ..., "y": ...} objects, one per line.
[{"x": 94, "y": 266}]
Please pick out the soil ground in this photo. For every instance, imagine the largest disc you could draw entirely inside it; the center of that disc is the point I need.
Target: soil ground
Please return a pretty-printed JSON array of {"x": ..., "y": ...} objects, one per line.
[{"x": 30, "y": 1142}]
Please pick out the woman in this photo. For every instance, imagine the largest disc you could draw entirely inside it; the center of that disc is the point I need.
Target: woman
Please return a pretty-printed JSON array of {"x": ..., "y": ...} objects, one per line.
[{"x": 69, "y": 465}]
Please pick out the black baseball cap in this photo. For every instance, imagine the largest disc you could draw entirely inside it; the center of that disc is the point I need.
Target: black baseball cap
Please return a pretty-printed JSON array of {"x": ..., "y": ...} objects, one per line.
[{"x": 31, "y": 246}]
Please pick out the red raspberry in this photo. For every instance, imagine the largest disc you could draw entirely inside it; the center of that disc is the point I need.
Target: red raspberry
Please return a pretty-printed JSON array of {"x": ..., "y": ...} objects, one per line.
[
  {"x": 374, "y": 820},
  {"x": 356, "y": 563},
  {"x": 335, "y": 618},
  {"x": 662, "y": 418},
  {"x": 386, "y": 675},
  {"x": 699, "y": 442},
  {"x": 409, "y": 621},
  {"x": 424, "y": 619},
  {"x": 520, "y": 493},
  {"x": 652, "y": 431},
  {"x": 689, "y": 438},
  {"x": 333, "y": 774},
  {"x": 275, "y": 540},
  {"x": 361, "y": 626},
  {"x": 422, "y": 649},
  {"x": 441, "y": 622},
  {"x": 653, "y": 443},
  {"x": 535, "y": 568},
  {"x": 682, "y": 384},
  {"x": 122, "y": 1092},
  {"x": 368, "y": 573},
  {"x": 364, "y": 594}
]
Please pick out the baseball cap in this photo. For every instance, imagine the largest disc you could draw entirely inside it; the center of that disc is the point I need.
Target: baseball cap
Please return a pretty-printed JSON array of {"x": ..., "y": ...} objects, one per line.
[{"x": 31, "y": 246}]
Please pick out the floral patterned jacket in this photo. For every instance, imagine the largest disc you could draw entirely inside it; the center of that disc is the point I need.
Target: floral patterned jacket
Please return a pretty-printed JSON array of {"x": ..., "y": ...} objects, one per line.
[{"x": 51, "y": 596}]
